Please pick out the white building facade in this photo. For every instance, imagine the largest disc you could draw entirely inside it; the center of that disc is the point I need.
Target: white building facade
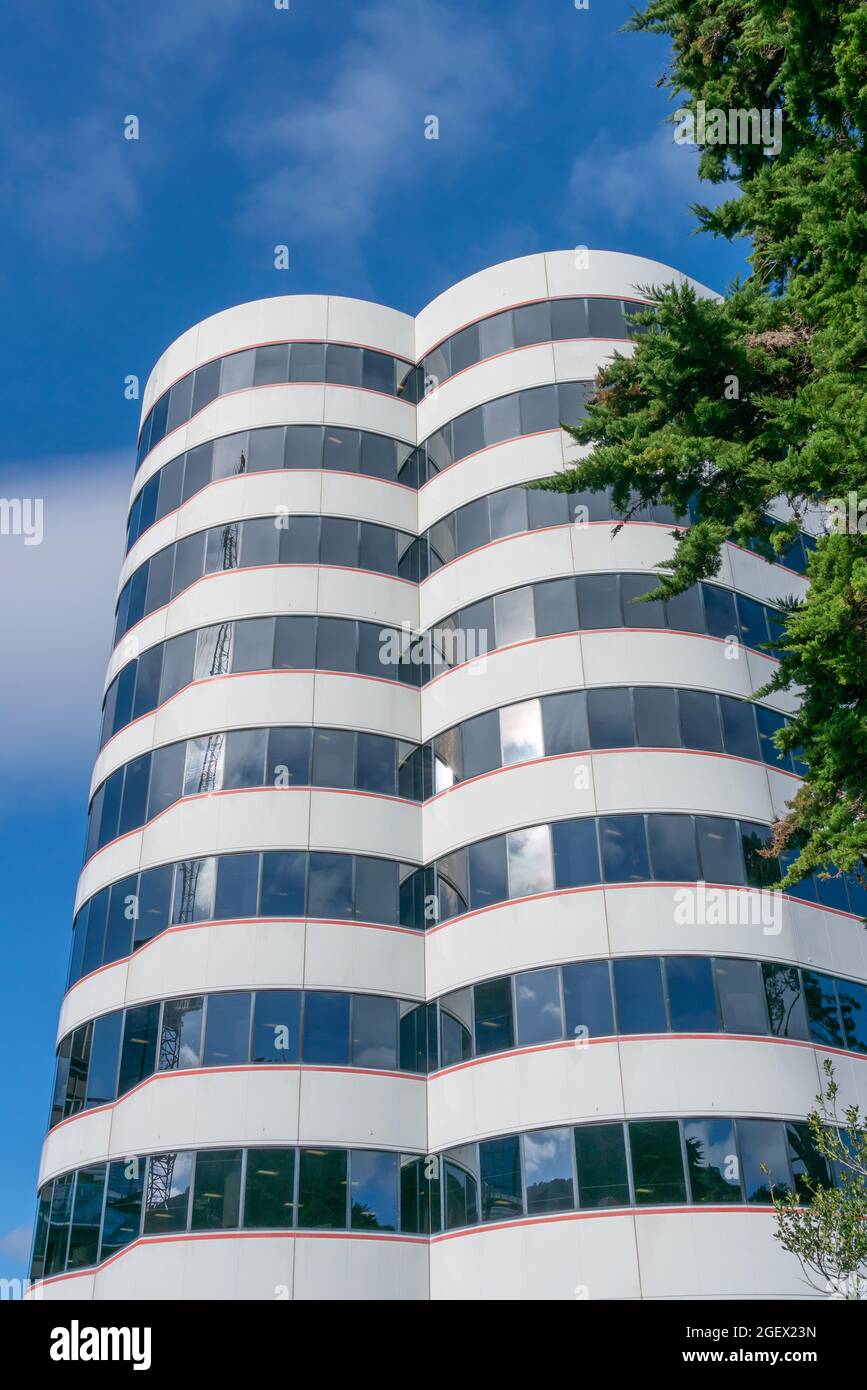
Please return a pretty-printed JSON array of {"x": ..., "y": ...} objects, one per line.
[{"x": 421, "y": 946}]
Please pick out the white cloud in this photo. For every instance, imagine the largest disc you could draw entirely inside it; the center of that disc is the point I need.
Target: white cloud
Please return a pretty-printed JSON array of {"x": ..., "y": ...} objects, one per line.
[
  {"x": 648, "y": 183},
  {"x": 321, "y": 168},
  {"x": 56, "y": 619}
]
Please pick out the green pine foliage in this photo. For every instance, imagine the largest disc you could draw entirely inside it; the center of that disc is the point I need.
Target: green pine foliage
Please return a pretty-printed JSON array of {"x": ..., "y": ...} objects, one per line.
[{"x": 762, "y": 396}]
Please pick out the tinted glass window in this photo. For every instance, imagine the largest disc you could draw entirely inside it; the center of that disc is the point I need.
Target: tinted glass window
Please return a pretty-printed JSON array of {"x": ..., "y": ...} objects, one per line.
[
  {"x": 576, "y": 856},
  {"x": 373, "y": 1191},
  {"x": 684, "y": 612},
  {"x": 374, "y": 1032},
  {"x": 537, "y": 1004},
  {"x": 564, "y": 721},
  {"x": 656, "y": 717},
  {"x": 181, "y": 1035},
  {"x": 739, "y": 730},
  {"x": 329, "y": 888},
  {"x": 699, "y": 720},
  {"x": 657, "y": 1164},
  {"x": 500, "y": 1174},
  {"x": 639, "y": 994},
  {"x": 237, "y": 887},
  {"x": 719, "y": 607},
  {"x": 763, "y": 1145},
  {"x": 282, "y": 885},
  {"x": 600, "y": 1156},
  {"x": 227, "y": 1030},
  {"x": 712, "y": 1160},
  {"x": 86, "y": 1213},
  {"x": 488, "y": 878},
  {"x": 556, "y": 606},
  {"x": 276, "y": 1027},
  {"x": 167, "y": 1190},
  {"x": 624, "y": 849},
  {"x": 741, "y": 996},
  {"x": 529, "y": 861},
  {"x": 326, "y": 1028},
  {"x": 785, "y": 1000},
  {"x": 673, "y": 852},
  {"x": 853, "y": 1008},
  {"x": 322, "y": 1189},
  {"x": 587, "y": 1000},
  {"x": 809, "y": 1168},
  {"x": 548, "y": 1169},
  {"x": 691, "y": 996},
  {"x": 122, "y": 1217},
  {"x": 104, "y": 1051},
  {"x": 480, "y": 742},
  {"x": 719, "y": 850},
  {"x": 599, "y": 600},
  {"x": 610, "y": 716},
  {"x": 138, "y": 1050},
  {"x": 638, "y": 614},
  {"x": 822, "y": 1011},
  {"x": 269, "y": 1199},
  {"x": 217, "y": 1190},
  {"x": 493, "y": 1016}
]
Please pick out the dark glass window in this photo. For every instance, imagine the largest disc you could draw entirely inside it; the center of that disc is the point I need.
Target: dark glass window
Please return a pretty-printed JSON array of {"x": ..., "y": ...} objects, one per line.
[
  {"x": 576, "y": 856},
  {"x": 272, "y": 364},
  {"x": 329, "y": 888},
  {"x": 657, "y": 1163},
  {"x": 167, "y": 1192},
  {"x": 853, "y": 1009},
  {"x": 217, "y": 1190},
  {"x": 741, "y": 996},
  {"x": 269, "y": 1197},
  {"x": 719, "y": 850},
  {"x": 762, "y": 872},
  {"x": 606, "y": 318},
  {"x": 468, "y": 433},
  {"x": 699, "y": 720},
  {"x": 610, "y": 716},
  {"x": 295, "y": 643},
  {"x": 739, "y": 729},
  {"x": 568, "y": 319},
  {"x": 719, "y": 607},
  {"x": 822, "y": 1012},
  {"x": 809, "y": 1167},
  {"x": 461, "y": 1189},
  {"x": 691, "y": 996},
  {"x": 326, "y": 1028},
  {"x": 58, "y": 1230},
  {"x": 494, "y": 1029},
  {"x": 532, "y": 324},
  {"x": 751, "y": 615},
  {"x": 600, "y": 1155},
  {"x": 464, "y": 348},
  {"x": 762, "y": 1144},
  {"x": 501, "y": 419},
  {"x": 684, "y": 612},
  {"x": 322, "y": 1189},
  {"x": 769, "y": 722},
  {"x": 261, "y": 541},
  {"x": 624, "y": 849},
  {"x": 333, "y": 758},
  {"x": 419, "y": 1197},
  {"x": 556, "y": 607},
  {"x": 374, "y": 1032},
  {"x": 194, "y": 891},
  {"x": 500, "y": 1179},
  {"x": 267, "y": 448},
  {"x": 237, "y": 887},
  {"x": 154, "y": 900},
  {"x": 376, "y": 890},
  {"x": 487, "y": 868},
  {"x": 539, "y": 409},
  {"x": 639, "y": 994},
  {"x": 122, "y": 1218},
  {"x": 599, "y": 600},
  {"x": 167, "y": 778},
  {"x": 537, "y": 1004},
  {"x": 373, "y": 1190},
  {"x": 227, "y": 1030},
  {"x": 288, "y": 762},
  {"x": 282, "y": 884},
  {"x": 587, "y": 1000},
  {"x": 638, "y": 614},
  {"x": 548, "y": 1170},
  {"x": 244, "y": 758},
  {"x": 712, "y": 1160},
  {"x": 104, "y": 1053},
  {"x": 656, "y": 717},
  {"x": 673, "y": 852},
  {"x": 564, "y": 722},
  {"x": 785, "y": 1000},
  {"x": 376, "y": 771},
  {"x": 138, "y": 1050},
  {"x": 277, "y": 1026},
  {"x": 122, "y": 911},
  {"x": 86, "y": 1214},
  {"x": 181, "y": 1036},
  {"x": 456, "y": 1015}
]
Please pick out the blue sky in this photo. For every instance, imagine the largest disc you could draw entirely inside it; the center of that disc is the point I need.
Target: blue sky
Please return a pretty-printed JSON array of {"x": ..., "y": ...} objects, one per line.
[{"x": 258, "y": 126}]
